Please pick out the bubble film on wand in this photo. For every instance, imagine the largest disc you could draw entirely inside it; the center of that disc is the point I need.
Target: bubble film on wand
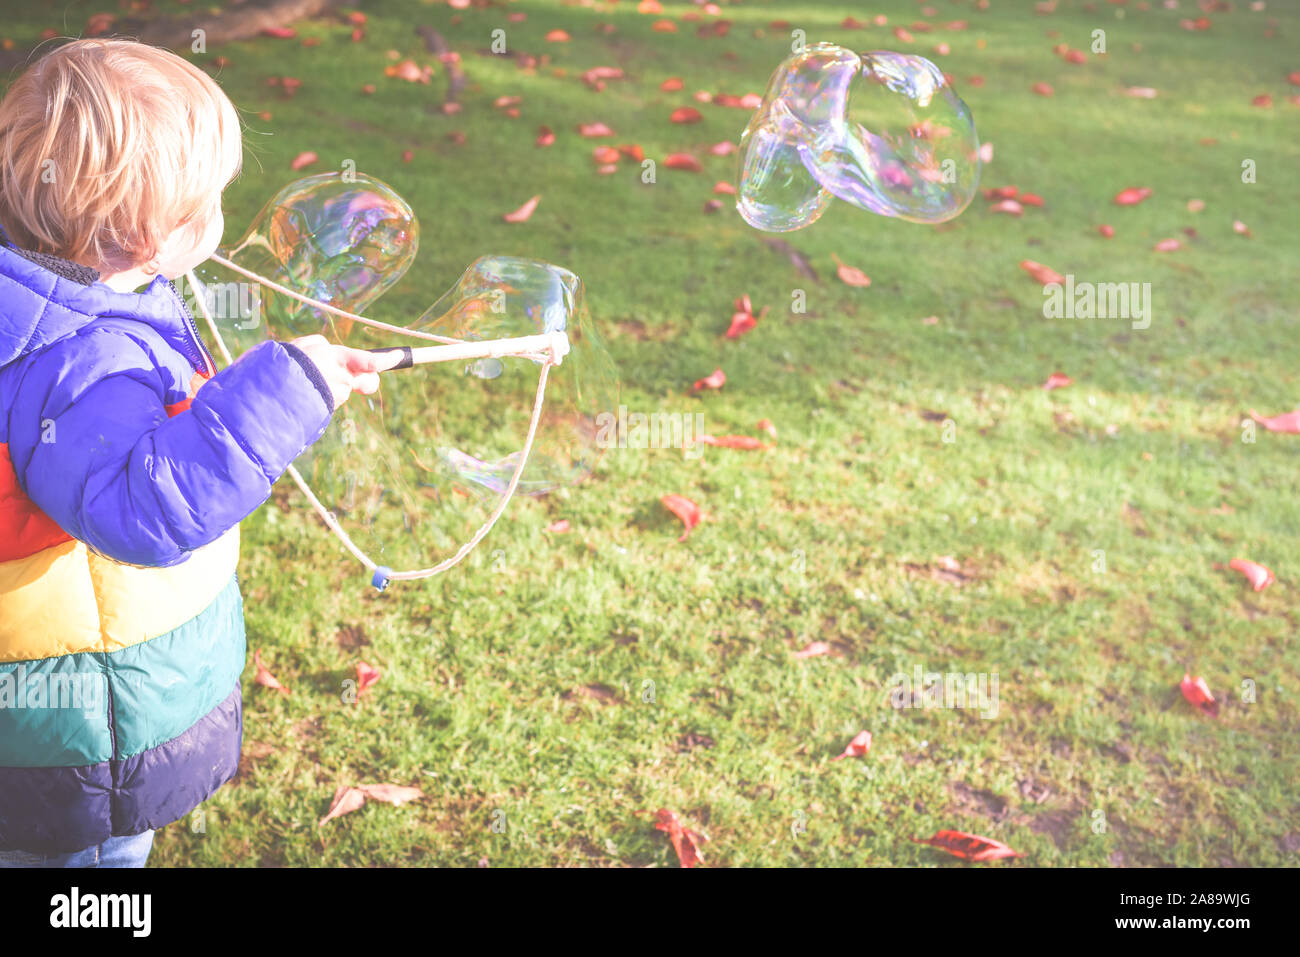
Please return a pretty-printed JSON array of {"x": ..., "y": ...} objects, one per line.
[
  {"x": 508, "y": 374},
  {"x": 884, "y": 131}
]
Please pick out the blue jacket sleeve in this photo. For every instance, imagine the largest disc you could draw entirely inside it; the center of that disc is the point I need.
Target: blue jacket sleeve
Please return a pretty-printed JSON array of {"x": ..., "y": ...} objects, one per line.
[{"x": 93, "y": 446}]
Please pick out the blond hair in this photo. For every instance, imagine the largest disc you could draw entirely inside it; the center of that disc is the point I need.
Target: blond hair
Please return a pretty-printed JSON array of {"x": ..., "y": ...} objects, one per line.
[{"x": 107, "y": 146}]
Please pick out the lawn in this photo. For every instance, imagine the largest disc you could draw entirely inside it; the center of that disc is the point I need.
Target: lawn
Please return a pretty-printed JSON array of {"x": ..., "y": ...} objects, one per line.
[{"x": 927, "y": 504}]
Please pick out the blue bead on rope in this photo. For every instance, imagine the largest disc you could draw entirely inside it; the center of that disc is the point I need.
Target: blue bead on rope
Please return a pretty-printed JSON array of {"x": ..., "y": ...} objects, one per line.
[{"x": 380, "y": 578}]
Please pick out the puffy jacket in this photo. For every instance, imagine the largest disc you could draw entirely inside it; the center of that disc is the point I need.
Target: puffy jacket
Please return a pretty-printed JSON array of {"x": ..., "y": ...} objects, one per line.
[{"x": 122, "y": 484}]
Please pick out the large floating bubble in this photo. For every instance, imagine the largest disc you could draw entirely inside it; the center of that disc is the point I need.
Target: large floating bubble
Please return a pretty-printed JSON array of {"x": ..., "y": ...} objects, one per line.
[
  {"x": 411, "y": 472},
  {"x": 342, "y": 241},
  {"x": 501, "y": 297},
  {"x": 884, "y": 131}
]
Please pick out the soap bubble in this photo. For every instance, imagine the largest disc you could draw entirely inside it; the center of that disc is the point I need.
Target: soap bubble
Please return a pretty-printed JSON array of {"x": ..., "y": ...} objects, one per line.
[
  {"x": 501, "y": 297},
  {"x": 881, "y": 130},
  {"x": 342, "y": 241},
  {"x": 414, "y": 470},
  {"x": 411, "y": 472}
]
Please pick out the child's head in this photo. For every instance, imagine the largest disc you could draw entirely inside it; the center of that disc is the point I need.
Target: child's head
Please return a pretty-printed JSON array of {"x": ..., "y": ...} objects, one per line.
[{"x": 114, "y": 154}]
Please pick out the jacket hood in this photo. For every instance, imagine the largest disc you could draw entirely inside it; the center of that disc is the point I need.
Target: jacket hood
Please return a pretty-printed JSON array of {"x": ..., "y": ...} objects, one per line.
[{"x": 44, "y": 298}]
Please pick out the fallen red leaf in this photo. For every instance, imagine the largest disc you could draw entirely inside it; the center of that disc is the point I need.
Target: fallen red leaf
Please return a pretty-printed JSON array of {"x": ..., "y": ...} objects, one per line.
[
  {"x": 685, "y": 842},
  {"x": 558, "y": 526},
  {"x": 743, "y": 318},
  {"x": 597, "y": 75},
  {"x": 731, "y": 441},
  {"x": 1262, "y": 100},
  {"x": 409, "y": 71},
  {"x": 632, "y": 151},
  {"x": 1044, "y": 274},
  {"x": 741, "y": 323},
  {"x": 521, "y": 214},
  {"x": 367, "y": 675},
  {"x": 714, "y": 380},
  {"x": 1240, "y": 228},
  {"x": 765, "y": 425},
  {"x": 594, "y": 129},
  {"x": 1167, "y": 246},
  {"x": 713, "y": 206},
  {"x": 969, "y": 847},
  {"x": 683, "y": 161},
  {"x": 725, "y": 148},
  {"x": 1031, "y": 199},
  {"x": 850, "y": 275},
  {"x": 557, "y": 36},
  {"x": 1131, "y": 196},
  {"x": 394, "y": 794},
  {"x": 684, "y": 509},
  {"x": 1008, "y": 206},
  {"x": 1043, "y": 89},
  {"x": 724, "y": 188},
  {"x": 672, "y": 84},
  {"x": 302, "y": 160},
  {"x": 1259, "y": 576},
  {"x": 1286, "y": 422},
  {"x": 1076, "y": 56},
  {"x": 97, "y": 25},
  {"x": 346, "y": 800},
  {"x": 1002, "y": 192},
  {"x": 812, "y": 650},
  {"x": 263, "y": 676},
  {"x": 856, "y": 748},
  {"x": 605, "y": 154},
  {"x": 545, "y": 136},
  {"x": 686, "y": 114},
  {"x": 280, "y": 33},
  {"x": 1057, "y": 380},
  {"x": 1197, "y": 693},
  {"x": 1107, "y": 231}
]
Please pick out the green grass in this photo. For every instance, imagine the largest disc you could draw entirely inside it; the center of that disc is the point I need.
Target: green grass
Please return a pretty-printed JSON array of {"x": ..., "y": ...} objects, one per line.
[{"x": 836, "y": 534}]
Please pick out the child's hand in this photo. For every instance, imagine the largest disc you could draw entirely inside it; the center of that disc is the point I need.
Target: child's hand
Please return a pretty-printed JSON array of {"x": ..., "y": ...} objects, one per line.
[{"x": 345, "y": 370}]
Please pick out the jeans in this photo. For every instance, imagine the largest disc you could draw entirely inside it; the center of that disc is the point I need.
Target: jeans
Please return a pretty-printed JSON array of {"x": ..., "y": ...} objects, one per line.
[{"x": 115, "y": 852}]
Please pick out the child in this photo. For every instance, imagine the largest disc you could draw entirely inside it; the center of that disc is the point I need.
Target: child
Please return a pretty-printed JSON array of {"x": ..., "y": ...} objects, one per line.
[{"x": 126, "y": 460}]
